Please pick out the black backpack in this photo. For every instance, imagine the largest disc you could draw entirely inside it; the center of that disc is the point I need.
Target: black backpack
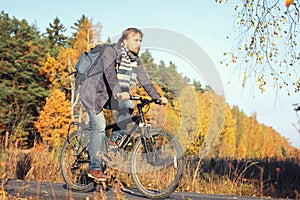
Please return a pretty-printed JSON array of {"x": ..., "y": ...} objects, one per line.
[{"x": 86, "y": 62}]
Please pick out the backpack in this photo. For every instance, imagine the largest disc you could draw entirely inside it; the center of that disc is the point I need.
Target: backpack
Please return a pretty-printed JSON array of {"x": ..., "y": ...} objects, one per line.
[{"x": 86, "y": 63}]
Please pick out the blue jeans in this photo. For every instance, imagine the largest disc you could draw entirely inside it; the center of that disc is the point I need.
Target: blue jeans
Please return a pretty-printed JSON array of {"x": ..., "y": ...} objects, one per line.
[
  {"x": 125, "y": 109},
  {"x": 97, "y": 139},
  {"x": 98, "y": 136}
]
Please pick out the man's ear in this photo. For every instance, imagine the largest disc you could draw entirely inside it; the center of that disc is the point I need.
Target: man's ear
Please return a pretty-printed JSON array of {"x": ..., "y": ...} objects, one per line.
[{"x": 125, "y": 42}]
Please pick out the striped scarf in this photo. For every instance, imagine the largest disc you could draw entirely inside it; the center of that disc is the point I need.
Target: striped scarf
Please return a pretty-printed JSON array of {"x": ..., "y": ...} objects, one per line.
[{"x": 126, "y": 72}]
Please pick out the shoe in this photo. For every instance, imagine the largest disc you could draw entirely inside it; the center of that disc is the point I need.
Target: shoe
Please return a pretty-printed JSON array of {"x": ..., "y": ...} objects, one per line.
[
  {"x": 116, "y": 138},
  {"x": 113, "y": 144},
  {"x": 97, "y": 175}
]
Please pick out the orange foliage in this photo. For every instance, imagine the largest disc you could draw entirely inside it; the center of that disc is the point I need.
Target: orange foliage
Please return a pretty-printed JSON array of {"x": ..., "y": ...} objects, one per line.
[
  {"x": 50, "y": 68},
  {"x": 54, "y": 120},
  {"x": 58, "y": 70}
]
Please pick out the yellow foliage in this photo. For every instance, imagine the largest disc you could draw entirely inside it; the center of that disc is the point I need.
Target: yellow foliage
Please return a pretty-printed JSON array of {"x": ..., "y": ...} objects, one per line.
[
  {"x": 227, "y": 143},
  {"x": 84, "y": 37},
  {"x": 66, "y": 64},
  {"x": 58, "y": 69}
]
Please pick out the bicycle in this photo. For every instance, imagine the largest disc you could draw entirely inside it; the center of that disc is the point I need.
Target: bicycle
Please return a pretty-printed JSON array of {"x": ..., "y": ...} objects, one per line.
[{"x": 155, "y": 154}]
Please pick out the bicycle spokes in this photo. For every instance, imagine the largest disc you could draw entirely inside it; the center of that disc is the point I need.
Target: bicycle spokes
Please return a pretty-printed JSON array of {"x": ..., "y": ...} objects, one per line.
[
  {"x": 74, "y": 162},
  {"x": 157, "y": 164}
]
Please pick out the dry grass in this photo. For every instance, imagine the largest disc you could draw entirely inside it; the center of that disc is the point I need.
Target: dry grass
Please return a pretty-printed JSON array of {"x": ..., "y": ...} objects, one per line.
[
  {"x": 248, "y": 178},
  {"x": 35, "y": 164},
  {"x": 209, "y": 182}
]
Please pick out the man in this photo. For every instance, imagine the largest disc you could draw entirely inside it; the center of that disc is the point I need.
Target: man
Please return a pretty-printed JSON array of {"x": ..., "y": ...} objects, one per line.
[{"x": 122, "y": 68}]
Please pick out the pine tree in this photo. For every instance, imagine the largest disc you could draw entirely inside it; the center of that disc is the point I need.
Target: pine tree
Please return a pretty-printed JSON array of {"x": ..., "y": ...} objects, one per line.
[
  {"x": 22, "y": 88},
  {"x": 55, "y": 33},
  {"x": 76, "y": 29},
  {"x": 55, "y": 36}
]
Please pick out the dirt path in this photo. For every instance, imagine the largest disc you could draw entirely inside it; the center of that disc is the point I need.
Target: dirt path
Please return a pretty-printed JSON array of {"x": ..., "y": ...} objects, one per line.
[{"x": 58, "y": 191}]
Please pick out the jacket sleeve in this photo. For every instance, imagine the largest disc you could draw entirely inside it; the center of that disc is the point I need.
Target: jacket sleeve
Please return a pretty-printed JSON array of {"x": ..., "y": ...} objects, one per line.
[
  {"x": 146, "y": 82},
  {"x": 108, "y": 62}
]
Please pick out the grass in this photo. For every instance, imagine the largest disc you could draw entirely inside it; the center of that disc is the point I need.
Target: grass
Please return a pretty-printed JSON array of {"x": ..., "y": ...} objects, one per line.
[
  {"x": 259, "y": 178},
  {"x": 211, "y": 182}
]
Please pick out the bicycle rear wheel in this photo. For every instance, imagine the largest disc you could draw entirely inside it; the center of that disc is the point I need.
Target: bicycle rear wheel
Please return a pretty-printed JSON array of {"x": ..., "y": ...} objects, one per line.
[
  {"x": 74, "y": 162},
  {"x": 158, "y": 173}
]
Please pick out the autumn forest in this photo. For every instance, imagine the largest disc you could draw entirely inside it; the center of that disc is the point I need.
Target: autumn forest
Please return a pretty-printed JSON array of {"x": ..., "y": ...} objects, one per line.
[{"x": 38, "y": 99}]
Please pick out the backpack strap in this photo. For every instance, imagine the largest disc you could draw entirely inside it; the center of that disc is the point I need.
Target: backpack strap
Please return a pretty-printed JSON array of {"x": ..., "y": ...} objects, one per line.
[
  {"x": 94, "y": 74},
  {"x": 116, "y": 47}
]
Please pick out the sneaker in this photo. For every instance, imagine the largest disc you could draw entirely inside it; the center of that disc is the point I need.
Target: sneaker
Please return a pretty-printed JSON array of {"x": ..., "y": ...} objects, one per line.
[
  {"x": 116, "y": 137},
  {"x": 112, "y": 145},
  {"x": 97, "y": 175}
]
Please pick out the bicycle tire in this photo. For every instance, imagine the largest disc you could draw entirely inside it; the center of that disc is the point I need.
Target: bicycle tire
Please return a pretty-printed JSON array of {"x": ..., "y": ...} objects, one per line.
[
  {"x": 74, "y": 161},
  {"x": 157, "y": 180}
]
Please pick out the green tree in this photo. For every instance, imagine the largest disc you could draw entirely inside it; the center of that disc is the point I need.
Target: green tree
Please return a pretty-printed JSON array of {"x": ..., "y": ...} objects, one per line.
[
  {"x": 55, "y": 36},
  {"x": 198, "y": 86},
  {"x": 22, "y": 87},
  {"x": 150, "y": 67}
]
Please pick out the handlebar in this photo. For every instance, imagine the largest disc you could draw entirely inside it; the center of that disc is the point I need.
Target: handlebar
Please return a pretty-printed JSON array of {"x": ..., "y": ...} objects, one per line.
[{"x": 145, "y": 101}]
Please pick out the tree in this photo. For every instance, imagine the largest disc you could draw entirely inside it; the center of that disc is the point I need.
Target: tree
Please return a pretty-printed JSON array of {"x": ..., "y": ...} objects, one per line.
[
  {"x": 54, "y": 120},
  {"x": 76, "y": 29},
  {"x": 57, "y": 69},
  {"x": 226, "y": 147},
  {"x": 189, "y": 115},
  {"x": 266, "y": 48},
  {"x": 87, "y": 33},
  {"x": 149, "y": 65},
  {"x": 198, "y": 86},
  {"x": 55, "y": 33},
  {"x": 241, "y": 137},
  {"x": 166, "y": 77},
  {"x": 22, "y": 87},
  {"x": 55, "y": 36},
  {"x": 297, "y": 125}
]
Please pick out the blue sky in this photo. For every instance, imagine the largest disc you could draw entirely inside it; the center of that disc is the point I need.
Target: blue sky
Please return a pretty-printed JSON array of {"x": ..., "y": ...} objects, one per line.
[{"x": 205, "y": 22}]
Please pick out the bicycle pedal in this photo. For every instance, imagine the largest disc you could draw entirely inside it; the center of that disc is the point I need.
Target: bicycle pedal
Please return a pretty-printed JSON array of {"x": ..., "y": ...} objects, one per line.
[{"x": 112, "y": 148}]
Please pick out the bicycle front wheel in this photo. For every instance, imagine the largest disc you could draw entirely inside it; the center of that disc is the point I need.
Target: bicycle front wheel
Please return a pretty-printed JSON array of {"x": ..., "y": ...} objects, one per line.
[
  {"x": 157, "y": 164},
  {"x": 74, "y": 162}
]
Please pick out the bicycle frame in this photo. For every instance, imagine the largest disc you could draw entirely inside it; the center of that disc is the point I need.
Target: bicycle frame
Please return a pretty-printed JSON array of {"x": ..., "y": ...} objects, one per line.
[{"x": 139, "y": 122}]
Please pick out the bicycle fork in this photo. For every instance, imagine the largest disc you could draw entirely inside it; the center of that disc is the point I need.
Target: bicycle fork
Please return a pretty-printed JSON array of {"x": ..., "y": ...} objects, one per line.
[{"x": 149, "y": 144}]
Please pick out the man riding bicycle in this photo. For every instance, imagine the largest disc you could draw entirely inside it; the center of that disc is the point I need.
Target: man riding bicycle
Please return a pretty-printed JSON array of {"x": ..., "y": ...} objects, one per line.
[{"x": 122, "y": 68}]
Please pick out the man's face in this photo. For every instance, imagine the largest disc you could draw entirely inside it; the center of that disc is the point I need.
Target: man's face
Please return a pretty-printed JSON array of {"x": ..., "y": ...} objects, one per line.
[{"x": 133, "y": 42}]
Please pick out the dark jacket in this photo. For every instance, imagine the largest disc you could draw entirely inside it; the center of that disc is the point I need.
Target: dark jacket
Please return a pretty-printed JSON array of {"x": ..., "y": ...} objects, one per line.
[{"x": 97, "y": 90}]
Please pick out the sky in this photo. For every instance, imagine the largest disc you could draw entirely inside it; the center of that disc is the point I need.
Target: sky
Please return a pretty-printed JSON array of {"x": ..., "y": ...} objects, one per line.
[{"x": 206, "y": 23}]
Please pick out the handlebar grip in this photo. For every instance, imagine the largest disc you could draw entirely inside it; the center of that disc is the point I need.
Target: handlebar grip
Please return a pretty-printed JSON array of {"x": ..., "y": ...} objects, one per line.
[
  {"x": 157, "y": 101},
  {"x": 135, "y": 98}
]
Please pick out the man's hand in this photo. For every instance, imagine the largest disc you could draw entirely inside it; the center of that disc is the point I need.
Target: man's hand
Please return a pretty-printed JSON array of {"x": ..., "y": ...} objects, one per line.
[
  {"x": 164, "y": 100},
  {"x": 123, "y": 96}
]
